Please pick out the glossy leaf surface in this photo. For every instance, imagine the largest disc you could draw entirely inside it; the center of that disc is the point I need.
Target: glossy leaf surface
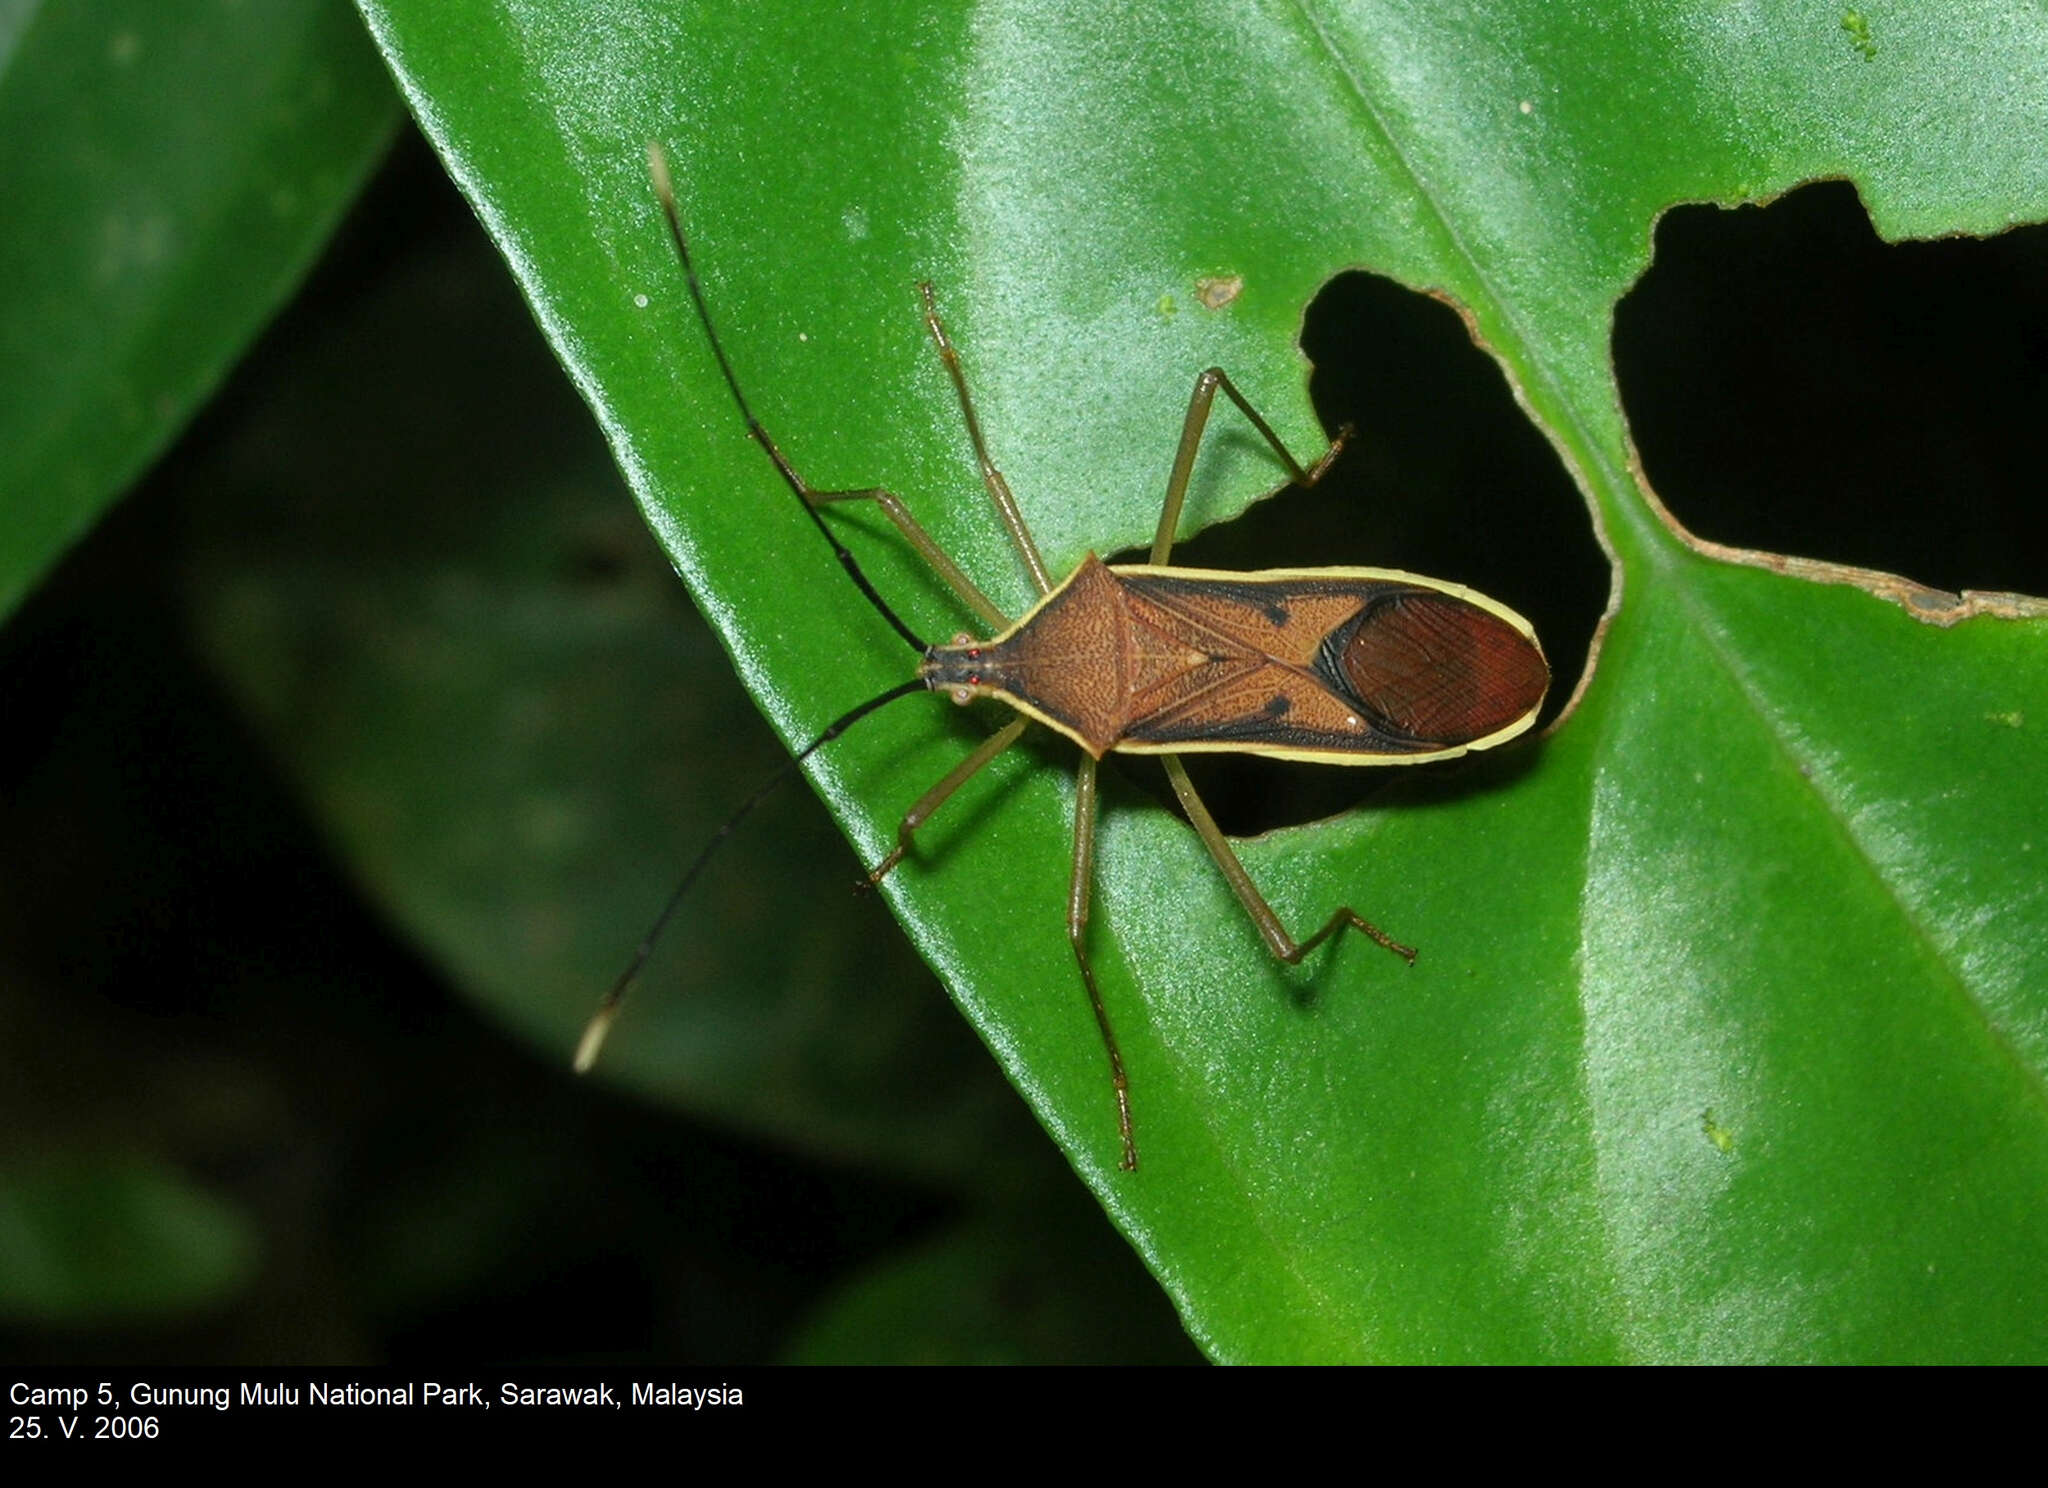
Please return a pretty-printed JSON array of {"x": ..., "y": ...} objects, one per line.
[{"x": 1728, "y": 1036}]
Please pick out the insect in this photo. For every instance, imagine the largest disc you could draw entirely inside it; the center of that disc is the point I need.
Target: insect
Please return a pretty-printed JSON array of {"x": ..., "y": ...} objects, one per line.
[{"x": 1349, "y": 666}]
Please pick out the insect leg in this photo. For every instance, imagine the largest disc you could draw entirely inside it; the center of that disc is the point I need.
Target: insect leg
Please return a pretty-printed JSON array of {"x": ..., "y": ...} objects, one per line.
[
  {"x": 927, "y": 548},
  {"x": 1077, "y": 934},
  {"x": 1274, "y": 933},
  {"x": 1084, "y": 780},
  {"x": 998, "y": 488},
  {"x": 1278, "y": 941},
  {"x": 1191, "y": 439},
  {"x": 937, "y": 796}
]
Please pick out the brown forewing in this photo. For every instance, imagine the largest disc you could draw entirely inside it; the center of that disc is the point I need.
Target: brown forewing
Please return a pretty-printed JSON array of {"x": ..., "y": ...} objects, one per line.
[{"x": 1337, "y": 664}]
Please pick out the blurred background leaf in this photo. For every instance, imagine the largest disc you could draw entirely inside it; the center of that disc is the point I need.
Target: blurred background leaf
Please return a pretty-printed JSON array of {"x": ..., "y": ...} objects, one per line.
[
  {"x": 168, "y": 173},
  {"x": 93, "y": 1241}
]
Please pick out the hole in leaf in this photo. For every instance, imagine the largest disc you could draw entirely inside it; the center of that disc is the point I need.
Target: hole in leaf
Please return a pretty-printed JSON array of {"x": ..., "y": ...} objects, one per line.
[
  {"x": 1445, "y": 476},
  {"x": 1794, "y": 384}
]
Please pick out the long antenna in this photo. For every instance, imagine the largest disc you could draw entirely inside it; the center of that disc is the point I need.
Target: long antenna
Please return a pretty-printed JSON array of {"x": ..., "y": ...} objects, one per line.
[
  {"x": 601, "y": 1021},
  {"x": 657, "y": 165}
]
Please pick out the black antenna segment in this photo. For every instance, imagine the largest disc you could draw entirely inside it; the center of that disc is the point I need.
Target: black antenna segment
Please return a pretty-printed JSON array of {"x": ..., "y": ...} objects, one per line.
[
  {"x": 657, "y": 164},
  {"x": 608, "y": 1011}
]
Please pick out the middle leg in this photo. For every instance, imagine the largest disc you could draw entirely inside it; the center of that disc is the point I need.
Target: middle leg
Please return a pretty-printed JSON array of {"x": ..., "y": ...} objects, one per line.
[{"x": 1270, "y": 928}]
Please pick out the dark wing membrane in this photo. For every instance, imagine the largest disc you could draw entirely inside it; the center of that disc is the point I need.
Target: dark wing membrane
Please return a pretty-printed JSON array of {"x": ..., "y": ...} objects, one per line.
[{"x": 1434, "y": 668}]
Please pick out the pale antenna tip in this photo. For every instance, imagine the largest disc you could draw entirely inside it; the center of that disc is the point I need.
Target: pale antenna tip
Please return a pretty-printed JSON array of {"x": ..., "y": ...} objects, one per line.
[
  {"x": 657, "y": 166},
  {"x": 592, "y": 1042}
]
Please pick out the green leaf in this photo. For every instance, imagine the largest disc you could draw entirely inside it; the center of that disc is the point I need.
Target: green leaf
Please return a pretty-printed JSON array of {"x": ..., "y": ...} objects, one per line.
[
  {"x": 168, "y": 173},
  {"x": 994, "y": 1291},
  {"x": 86, "y": 1240},
  {"x": 1726, "y": 1041}
]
